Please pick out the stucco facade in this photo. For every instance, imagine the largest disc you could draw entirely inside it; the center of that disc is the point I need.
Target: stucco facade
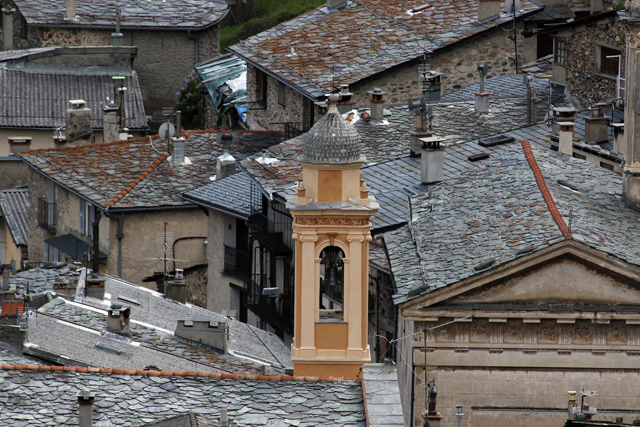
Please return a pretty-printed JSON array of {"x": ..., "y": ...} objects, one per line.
[{"x": 516, "y": 363}]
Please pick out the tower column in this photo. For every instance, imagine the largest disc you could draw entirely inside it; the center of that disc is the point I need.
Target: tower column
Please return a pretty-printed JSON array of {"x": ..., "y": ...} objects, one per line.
[
  {"x": 632, "y": 121},
  {"x": 308, "y": 295},
  {"x": 354, "y": 307}
]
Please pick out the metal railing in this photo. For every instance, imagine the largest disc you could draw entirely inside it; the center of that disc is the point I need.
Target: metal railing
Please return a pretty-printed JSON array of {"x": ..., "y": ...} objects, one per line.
[
  {"x": 236, "y": 263},
  {"x": 267, "y": 233},
  {"x": 276, "y": 311},
  {"x": 46, "y": 215}
]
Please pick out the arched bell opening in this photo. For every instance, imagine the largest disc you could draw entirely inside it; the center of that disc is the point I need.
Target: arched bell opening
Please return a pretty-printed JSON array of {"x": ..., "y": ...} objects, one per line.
[{"x": 331, "y": 284}]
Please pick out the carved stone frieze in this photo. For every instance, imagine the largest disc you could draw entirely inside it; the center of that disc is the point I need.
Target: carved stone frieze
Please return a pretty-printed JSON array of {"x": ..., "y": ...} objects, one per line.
[
  {"x": 582, "y": 333},
  {"x": 513, "y": 332},
  {"x": 617, "y": 333},
  {"x": 332, "y": 221},
  {"x": 479, "y": 331},
  {"x": 548, "y": 332}
]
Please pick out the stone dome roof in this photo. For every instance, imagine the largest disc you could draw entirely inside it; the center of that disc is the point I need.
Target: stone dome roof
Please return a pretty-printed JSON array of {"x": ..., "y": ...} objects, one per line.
[{"x": 332, "y": 139}]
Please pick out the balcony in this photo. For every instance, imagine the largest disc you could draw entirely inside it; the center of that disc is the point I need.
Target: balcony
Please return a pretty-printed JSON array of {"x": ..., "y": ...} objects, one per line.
[
  {"x": 237, "y": 263},
  {"x": 47, "y": 215},
  {"x": 277, "y": 312}
]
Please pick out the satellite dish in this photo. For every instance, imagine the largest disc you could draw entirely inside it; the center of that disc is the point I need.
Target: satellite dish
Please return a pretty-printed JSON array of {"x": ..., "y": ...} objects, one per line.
[
  {"x": 163, "y": 131},
  {"x": 511, "y": 5}
]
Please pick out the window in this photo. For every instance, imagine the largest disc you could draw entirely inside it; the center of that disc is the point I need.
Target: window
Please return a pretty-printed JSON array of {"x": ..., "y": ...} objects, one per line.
[
  {"x": 605, "y": 65},
  {"x": 56, "y": 255},
  {"x": 83, "y": 217},
  {"x": 560, "y": 52},
  {"x": 46, "y": 252},
  {"x": 331, "y": 284},
  {"x": 90, "y": 218},
  {"x": 579, "y": 156},
  {"x": 606, "y": 166},
  {"x": 281, "y": 94}
]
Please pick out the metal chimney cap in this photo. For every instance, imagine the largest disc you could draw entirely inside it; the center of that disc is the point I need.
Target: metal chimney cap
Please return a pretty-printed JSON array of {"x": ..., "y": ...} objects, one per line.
[
  {"x": 377, "y": 91},
  {"x": 86, "y": 394},
  {"x": 116, "y": 306}
]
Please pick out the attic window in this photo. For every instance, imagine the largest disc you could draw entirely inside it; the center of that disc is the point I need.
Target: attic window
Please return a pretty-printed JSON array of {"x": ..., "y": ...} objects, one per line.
[{"x": 605, "y": 65}]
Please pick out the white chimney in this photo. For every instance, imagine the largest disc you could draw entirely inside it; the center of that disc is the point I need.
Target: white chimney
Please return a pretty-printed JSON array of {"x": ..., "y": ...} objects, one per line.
[
  {"x": 431, "y": 160},
  {"x": 85, "y": 402},
  {"x": 224, "y": 418},
  {"x": 226, "y": 164},
  {"x": 7, "y": 27},
  {"x": 488, "y": 9},
  {"x": 118, "y": 320},
  {"x": 566, "y": 138},
  {"x": 19, "y": 143},
  {"x": 619, "y": 141},
  {"x": 71, "y": 10}
]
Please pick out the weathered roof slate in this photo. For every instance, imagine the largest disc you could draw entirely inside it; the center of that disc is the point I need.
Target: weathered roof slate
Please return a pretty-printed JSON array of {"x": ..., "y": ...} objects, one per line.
[
  {"x": 151, "y": 14},
  {"x": 363, "y": 38},
  {"x": 136, "y": 173},
  {"x": 49, "y": 398},
  {"x": 13, "y": 205},
  {"x": 231, "y": 194},
  {"x": 41, "y": 99},
  {"x": 498, "y": 213}
]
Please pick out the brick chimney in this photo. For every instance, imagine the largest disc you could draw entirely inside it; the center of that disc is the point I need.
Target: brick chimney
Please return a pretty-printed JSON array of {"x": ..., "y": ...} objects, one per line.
[
  {"x": 7, "y": 27},
  {"x": 565, "y": 130},
  {"x": 78, "y": 121},
  {"x": 226, "y": 163},
  {"x": 488, "y": 9},
  {"x": 377, "y": 104},
  {"x": 19, "y": 143},
  {"x": 118, "y": 320}
]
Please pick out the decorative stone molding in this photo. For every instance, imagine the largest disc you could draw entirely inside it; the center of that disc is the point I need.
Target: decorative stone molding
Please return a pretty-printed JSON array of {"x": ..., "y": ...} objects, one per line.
[
  {"x": 355, "y": 238},
  {"x": 333, "y": 221},
  {"x": 309, "y": 238},
  {"x": 461, "y": 349}
]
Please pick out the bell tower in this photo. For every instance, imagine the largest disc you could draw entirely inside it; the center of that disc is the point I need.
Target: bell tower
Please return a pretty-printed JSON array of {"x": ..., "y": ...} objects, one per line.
[{"x": 331, "y": 229}]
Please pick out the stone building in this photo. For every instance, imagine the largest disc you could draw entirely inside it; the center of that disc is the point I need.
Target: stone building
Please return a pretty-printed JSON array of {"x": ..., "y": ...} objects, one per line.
[
  {"x": 135, "y": 184},
  {"x": 524, "y": 291},
  {"x": 370, "y": 44},
  {"x": 38, "y": 85},
  {"x": 171, "y": 35}
]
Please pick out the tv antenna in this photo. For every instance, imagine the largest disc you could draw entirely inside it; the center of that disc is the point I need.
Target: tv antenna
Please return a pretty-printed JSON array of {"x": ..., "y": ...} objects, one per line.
[{"x": 512, "y": 6}]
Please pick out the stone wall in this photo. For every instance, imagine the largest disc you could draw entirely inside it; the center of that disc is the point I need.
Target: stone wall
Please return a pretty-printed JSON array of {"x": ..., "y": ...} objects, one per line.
[
  {"x": 13, "y": 173},
  {"x": 584, "y": 87},
  {"x": 164, "y": 58}
]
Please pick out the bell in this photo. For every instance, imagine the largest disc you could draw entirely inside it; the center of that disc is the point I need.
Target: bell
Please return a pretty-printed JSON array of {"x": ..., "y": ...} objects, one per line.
[{"x": 332, "y": 277}]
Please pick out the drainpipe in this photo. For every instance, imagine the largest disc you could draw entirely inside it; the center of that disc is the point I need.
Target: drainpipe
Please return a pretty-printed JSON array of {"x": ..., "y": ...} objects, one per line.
[
  {"x": 173, "y": 247},
  {"x": 119, "y": 236},
  {"x": 96, "y": 240},
  {"x": 196, "y": 40}
]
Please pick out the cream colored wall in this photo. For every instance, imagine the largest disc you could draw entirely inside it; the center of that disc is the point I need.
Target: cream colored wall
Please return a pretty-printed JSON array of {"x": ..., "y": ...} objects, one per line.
[
  {"x": 143, "y": 241},
  {"x": 41, "y": 138}
]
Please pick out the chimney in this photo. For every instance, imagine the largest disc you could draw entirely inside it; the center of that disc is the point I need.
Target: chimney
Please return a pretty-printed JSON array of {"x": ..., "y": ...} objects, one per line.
[
  {"x": 431, "y": 86},
  {"x": 432, "y": 159},
  {"x": 111, "y": 122},
  {"x": 566, "y": 138},
  {"x": 118, "y": 320},
  {"x": 619, "y": 143},
  {"x": 117, "y": 38},
  {"x": 71, "y": 10},
  {"x": 482, "y": 97},
  {"x": 377, "y": 104},
  {"x": 488, "y": 9},
  {"x": 334, "y": 4},
  {"x": 224, "y": 418},
  {"x": 562, "y": 114},
  {"x": 178, "y": 144},
  {"x": 345, "y": 104},
  {"x": 226, "y": 164},
  {"x": 5, "y": 278},
  {"x": 19, "y": 143},
  {"x": 85, "y": 402},
  {"x": 94, "y": 283},
  {"x": 596, "y": 126},
  {"x": 78, "y": 121},
  {"x": 7, "y": 27},
  {"x": 208, "y": 332},
  {"x": 424, "y": 116},
  {"x": 176, "y": 289},
  {"x": 596, "y": 6}
]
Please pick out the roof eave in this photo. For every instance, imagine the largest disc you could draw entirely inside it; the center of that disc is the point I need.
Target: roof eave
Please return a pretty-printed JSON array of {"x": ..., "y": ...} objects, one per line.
[{"x": 214, "y": 206}]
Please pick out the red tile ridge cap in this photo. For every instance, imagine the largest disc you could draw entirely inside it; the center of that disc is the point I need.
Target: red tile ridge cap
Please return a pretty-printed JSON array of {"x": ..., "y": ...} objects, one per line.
[
  {"x": 136, "y": 181},
  {"x": 72, "y": 147},
  {"x": 546, "y": 194},
  {"x": 142, "y": 372}
]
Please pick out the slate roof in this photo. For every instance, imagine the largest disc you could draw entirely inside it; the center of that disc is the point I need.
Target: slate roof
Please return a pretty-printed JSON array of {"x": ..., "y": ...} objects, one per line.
[
  {"x": 364, "y": 38},
  {"x": 33, "y": 397},
  {"x": 231, "y": 194},
  {"x": 41, "y": 279},
  {"x": 39, "y": 100},
  {"x": 13, "y": 205},
  {"x": 148, "y": 14},
  {"x": 188, "y": 420},
  {"x": 382, "y": 395},
  {"x": 498, "y": 213},
  {"x": 136, "y": 173}
]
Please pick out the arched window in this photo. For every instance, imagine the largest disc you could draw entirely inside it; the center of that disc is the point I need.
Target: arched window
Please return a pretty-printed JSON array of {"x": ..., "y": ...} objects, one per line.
[{"x": 331, "y": 284}]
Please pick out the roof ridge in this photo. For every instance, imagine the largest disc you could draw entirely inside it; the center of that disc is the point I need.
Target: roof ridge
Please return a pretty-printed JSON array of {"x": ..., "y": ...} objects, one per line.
[
  {"x": 546, "y": 194},
  {"x": 135, "y": 182},
  {"x": 142, "y": 372},
  {"x": 239, "y": 131},
  {"x": 71, "y": 147}
]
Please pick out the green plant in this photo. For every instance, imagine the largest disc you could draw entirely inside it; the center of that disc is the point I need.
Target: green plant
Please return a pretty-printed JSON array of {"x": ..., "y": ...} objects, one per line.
[
  {"x": 190, "y": 101},
  {"x": 619, "y": 5}
]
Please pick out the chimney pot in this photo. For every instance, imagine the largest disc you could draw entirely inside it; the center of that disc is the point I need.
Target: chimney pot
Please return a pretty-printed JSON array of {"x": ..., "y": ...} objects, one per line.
[
  {"x": 71, "y": 10},
  {"x": 377, "y": 104},
  {"x": 431, "y": 160},
  {"x": 566, "y": 137},
  {"x": 85, "y": 403},
  {"x": 19, "y": 143},
  {"x": 226, "y": 163},
  {"x": 224, "y": 419}
]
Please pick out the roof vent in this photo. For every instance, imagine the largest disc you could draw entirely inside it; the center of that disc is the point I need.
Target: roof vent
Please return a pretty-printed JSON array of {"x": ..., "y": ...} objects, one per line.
[{"x": 495, "y": 140}]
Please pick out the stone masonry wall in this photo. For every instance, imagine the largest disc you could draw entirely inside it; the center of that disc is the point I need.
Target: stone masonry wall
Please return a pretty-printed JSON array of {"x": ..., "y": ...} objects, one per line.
[{"x": 585, "y": 87}]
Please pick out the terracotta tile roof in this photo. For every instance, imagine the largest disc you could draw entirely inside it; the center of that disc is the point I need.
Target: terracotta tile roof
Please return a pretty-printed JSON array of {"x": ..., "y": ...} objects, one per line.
[
  {"x": 362, "y": 39},
  {"x": 152, "y": 14},
  {"x": 137, "y": 173}
]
